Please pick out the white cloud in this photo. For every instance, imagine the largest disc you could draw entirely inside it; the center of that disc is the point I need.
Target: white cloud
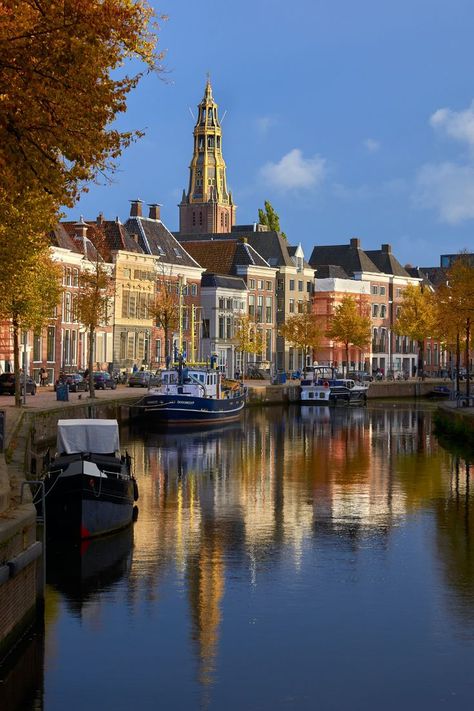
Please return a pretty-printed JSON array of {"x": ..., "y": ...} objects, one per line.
[
  {"x": 264, "y": 124},
  {"x": 447, "y": 188},
  {"x": 372, "y": 145},
  {"x": 295, "y": 172},
  {"x": 455, "y": 124}
]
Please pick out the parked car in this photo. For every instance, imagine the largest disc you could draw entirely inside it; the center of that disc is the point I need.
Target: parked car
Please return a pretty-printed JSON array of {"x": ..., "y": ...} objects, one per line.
[
  {"x": 140, "y": 379},
  {"x": 361, "y": 375},
  {"x": 7, "y": 384},
  {"x": 103, "y": 380},
  {"x": 75, "y": 381}
]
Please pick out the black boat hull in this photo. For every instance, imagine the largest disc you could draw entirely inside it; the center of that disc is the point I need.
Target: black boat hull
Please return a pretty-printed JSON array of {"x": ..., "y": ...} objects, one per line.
[
  {"x": 84, "y": 506},
  {"x": 175, "y": 409}
]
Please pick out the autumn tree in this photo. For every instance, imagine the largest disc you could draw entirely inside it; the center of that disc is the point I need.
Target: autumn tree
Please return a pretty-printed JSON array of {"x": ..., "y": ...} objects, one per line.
[
  {"x": 95, "y": 293},
  {"x": 248, "y": 337},
  {"x": 304, "y": 332},
  {"x": 416, "y": 319},
  {"x": 269, "y": 217},
  {"x": 63, "y": 82},
  {"x": 165, "y": 309},
  {"x": 29, "y": 295},
  {"x": 350, "y": 325},
  {"x": 454, "y": 308}
]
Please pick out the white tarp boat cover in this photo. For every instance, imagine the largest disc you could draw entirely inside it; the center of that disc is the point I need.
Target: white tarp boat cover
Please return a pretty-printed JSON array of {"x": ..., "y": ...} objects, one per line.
[{"x": 97, "y": 436}]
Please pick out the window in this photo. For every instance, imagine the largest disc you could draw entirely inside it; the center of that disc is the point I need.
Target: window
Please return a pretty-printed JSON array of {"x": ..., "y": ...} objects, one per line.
[
  {"x": 205, "y": 328},
  {"x": 228, "y": 327},
  {"x": 268, "y": 309},
  {"x": 221, "y": 302},
  {"x": 194, "y": 289},
  {"x": 280, "y": 285},
  {"x": 252, "y": 284},
  {"x": 260, "y": 284},
  {"x": 37, "y": 347},
  {"x": 74, "y": 347},
  {"x": 375, "y": 310},
  {"x": 67, "y": 307},
  {"x": 158, "y": 350},
  {"x": 375, "y": 289},
  {"x": 292, "y": 284},
  {"x": 300, "y": 286},
  {"x": 229, "y": 304},
  {"x": 221, "y": 326},
  {"x": 50, "y": 344},
  {"x": 269, "y": 285},
  {"x": 308, "y": 287},
  {"x": 382, "y": 291},
  {"x": 292, "y": 306},
  {"x": 251, "y": 305},
  {"x": 383, "y": 311},
  {"x": 75, "y": 277},
  {"x": 259, "y": 309},
  {"x": 399, "y": 292},
  {"x": 177, "y": 252}
]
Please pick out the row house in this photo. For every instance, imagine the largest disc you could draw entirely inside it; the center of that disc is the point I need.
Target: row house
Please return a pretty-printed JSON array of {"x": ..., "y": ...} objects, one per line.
[
  {"x": 293, "y": 286},
  {"x": 176, "y": 270},
  {"x": 236, "y": 257},
  {"x": 223, "y": 298},
  {"x": 378, "y": 280}
]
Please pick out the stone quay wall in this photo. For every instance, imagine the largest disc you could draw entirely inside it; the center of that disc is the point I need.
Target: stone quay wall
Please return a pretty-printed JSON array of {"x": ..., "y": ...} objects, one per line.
[{"x": 21, "y": 555}]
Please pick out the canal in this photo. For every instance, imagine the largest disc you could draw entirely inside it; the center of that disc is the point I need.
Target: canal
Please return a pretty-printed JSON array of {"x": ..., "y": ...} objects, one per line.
[{"x": 299, "y": 559}]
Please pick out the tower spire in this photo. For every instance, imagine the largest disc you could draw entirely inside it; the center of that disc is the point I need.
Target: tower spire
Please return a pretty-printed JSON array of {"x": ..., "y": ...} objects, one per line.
[{"x": 207, "y": 206}]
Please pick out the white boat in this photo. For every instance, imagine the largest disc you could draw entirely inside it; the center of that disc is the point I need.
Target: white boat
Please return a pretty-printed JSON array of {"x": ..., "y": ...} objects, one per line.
[{"x": 322, "y": 387}]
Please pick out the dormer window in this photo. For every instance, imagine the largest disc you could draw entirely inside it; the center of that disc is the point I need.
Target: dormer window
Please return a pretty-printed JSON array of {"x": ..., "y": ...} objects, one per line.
[
  {"x": 177, "y": 252},
  {"x": 161, "y": 251}
]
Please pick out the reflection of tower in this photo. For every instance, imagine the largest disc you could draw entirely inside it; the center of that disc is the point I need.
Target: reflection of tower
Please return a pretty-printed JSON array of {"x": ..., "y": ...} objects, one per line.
[
  {"x": 207, "y": 206},
  {"x": 206, "y": 589}
]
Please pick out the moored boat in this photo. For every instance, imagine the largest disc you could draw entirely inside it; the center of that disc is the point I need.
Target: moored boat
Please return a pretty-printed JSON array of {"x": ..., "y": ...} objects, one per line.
[
  {"x": 89, "y": 486},
  {"x": 187, "y": 395},
  {"x": 323, "y": 387}
]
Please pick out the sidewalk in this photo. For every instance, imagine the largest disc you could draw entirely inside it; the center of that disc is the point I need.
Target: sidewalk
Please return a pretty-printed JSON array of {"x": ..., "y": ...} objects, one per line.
[{"x": 45, "y": 399}]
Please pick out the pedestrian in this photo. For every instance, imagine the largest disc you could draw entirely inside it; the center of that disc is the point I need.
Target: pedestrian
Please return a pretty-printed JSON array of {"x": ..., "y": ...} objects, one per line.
[
  {"x": 44, "y": 377},
  {"x": 135, "y": 368}
]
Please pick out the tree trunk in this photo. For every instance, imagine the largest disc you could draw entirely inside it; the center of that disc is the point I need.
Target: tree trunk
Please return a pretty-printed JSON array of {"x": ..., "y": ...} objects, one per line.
[
  {"x": 421, "y": 359},
  {"x": 347, "y": 359},
  {"x": 91, "y": 363},
  {"x": 166, "y": 331},
  {"x": 468, "y": 374},
  {"x": 458, "y": 360},
  {"x": 16, "y": 363}
]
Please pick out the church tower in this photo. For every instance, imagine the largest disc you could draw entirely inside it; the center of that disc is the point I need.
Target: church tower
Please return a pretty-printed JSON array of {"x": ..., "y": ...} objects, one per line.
[{"x": 207, "y": 207}]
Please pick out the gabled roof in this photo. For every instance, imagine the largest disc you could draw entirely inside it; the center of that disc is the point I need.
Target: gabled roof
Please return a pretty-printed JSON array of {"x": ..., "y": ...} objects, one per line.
[
  {"x": 436, "y": 275},
  {"x": 224, "y": 256},
  {"x": 273, "y": 248},
  {"x": 155, "y": 238},
  {"x": 348, "y": 256},
  {"x": 223, "y": 281},
  {"x": 115, "y": 234},
  {"x": 330, "y": 271},
  {"x": 386, "y": 262},
  {"x": 59, "y": 237}
]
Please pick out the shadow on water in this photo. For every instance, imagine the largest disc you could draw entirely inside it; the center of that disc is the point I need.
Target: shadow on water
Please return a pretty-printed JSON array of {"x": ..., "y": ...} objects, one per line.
[
  {"x": 82, "y": 570},
  {"x": 21, "y": 676}
]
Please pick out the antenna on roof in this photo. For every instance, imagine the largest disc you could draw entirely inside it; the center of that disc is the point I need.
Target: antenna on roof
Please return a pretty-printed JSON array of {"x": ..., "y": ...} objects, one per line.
[
  {"x": 190, "y": 111},
  {"x": 223, "y": 116}
]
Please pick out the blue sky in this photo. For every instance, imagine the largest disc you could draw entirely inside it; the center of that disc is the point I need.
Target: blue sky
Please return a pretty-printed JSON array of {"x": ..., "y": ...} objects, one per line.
[{"x": 355, "y": 119}]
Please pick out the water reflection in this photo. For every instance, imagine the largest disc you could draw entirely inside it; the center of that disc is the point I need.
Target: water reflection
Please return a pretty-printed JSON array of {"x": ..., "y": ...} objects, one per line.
[{"x": 293, "y": 533}]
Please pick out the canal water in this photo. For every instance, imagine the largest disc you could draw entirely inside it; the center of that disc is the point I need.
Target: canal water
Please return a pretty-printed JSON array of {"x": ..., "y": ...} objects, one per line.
[{"x": 308, "y": 558}]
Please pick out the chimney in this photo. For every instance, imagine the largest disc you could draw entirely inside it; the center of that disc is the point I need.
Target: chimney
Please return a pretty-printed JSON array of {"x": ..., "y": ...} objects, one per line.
[
  {"x": 387, "y": 248},
  {"x": 154, "y": 213},
  {"x": 355, "y": 243},
  {"x": 134, "y": 236},
  {"x": 80, "y": 228},
  {"x": 244, "y": 240},
  {"x": 136, "y": 208},
  {"x": 100, "y": 219}
]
